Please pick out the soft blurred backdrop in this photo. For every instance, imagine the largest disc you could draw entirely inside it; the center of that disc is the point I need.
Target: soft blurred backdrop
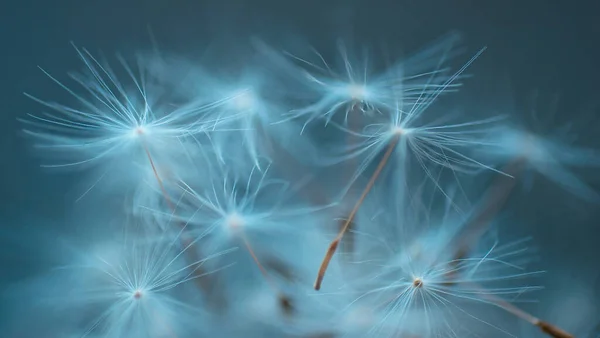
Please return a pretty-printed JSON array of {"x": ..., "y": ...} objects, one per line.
[{"x": 548, "y": 47}]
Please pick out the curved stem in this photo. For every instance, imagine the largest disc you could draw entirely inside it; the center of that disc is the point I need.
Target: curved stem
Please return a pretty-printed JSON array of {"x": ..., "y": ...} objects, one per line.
[
  {"x": 185, "y": 242},
  {"x": 547, "y": 328},
  {"x": 334, "y": 244}
]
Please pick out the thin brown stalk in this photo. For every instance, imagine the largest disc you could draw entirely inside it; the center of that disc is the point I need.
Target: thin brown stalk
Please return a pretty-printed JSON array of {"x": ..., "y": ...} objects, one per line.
[
  {"x": 547, "y": 328},
  {"x": 334, "y": 244},
  {"x": 203, "y": 283},
  {"x": 351, "y": 138},
  {"x": 284, "y": 301}
]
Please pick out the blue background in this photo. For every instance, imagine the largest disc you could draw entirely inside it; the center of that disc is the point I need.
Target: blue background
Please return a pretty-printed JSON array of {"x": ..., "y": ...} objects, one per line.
[{"x": 551, "y": 46}]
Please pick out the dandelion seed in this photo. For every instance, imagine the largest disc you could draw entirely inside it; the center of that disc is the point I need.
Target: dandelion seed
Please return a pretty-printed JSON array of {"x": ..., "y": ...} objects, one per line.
[
  {"x": 546, "y": 150},
  {"x": 245, "y": 206},
  {"x": 134, "y": 288},
  {"x": 115, "y": 124}
]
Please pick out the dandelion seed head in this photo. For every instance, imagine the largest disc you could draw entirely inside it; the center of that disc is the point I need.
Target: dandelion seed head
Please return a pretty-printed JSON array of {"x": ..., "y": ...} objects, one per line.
[
  {"x": 520, "y": 143},
  {"x": 532, "y": 148},
  {"x": 398, "y": 130},
  {"x": 358, "y": 92},
  {"x": 139, "y": 131},
  {"x": 245, "y": 100},
  {"x": 417, "y": 282},
  {"x": 235, "y": 221},
  {"x": 137, "y": 294}
]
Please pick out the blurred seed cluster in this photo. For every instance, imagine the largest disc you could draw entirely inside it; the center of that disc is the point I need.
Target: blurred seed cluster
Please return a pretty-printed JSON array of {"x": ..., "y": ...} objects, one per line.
[{"x": 298, "y": 197}]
